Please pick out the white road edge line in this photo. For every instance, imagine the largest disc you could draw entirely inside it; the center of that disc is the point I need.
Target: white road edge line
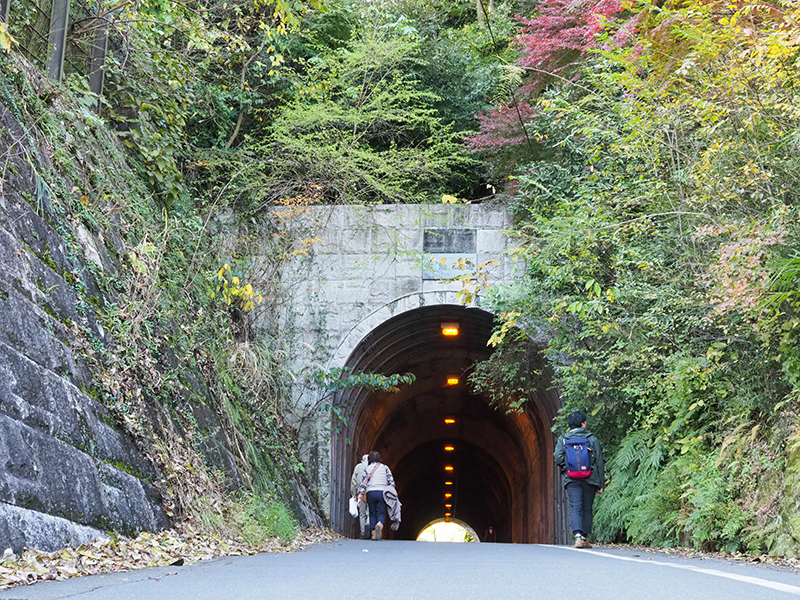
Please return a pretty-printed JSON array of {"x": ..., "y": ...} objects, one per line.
[{"x": 783, "y": 587}]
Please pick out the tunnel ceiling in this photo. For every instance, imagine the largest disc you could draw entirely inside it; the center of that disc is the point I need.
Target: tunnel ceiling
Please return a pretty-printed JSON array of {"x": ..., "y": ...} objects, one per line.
[{"x": 499, "y": 475}]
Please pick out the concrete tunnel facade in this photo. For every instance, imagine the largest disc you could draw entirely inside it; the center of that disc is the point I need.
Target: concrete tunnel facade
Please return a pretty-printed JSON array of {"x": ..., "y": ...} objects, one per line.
[{"x": 371, "y": 296}]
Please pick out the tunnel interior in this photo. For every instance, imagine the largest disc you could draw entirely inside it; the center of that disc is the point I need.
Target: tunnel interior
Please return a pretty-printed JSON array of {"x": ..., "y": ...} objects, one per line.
[{"x": 498, "y": 465}]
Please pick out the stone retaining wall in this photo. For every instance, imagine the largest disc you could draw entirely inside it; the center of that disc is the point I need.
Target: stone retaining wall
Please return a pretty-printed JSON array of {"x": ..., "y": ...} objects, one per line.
[{"x": 66, "y": 473}]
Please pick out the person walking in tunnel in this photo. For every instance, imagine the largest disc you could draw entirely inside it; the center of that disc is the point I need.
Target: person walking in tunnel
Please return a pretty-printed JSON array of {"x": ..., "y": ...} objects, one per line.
[
  {"x": 580, "y": 457},
  {"x": 489, "y": 535},
  {"x": 363, "y": 511},
  {"x": 376, "y": 480}
]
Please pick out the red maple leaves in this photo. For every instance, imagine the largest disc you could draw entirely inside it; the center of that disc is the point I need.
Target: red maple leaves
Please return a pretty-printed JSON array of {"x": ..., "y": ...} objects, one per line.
[
  {"x": 563, "y": 31},
  {"x": 550, "y": 43}
]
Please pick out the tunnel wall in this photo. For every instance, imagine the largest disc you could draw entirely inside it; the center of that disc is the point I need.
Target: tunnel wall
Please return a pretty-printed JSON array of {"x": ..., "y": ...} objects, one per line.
[
  {"x": 363, "y": 264},
  {"x": 367, "y": 266}
]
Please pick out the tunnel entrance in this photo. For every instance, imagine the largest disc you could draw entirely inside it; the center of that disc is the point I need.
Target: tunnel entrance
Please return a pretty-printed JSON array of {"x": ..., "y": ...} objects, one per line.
[
  {"x": 448, "y": 530},
  {"x": 444, "y": 444}
]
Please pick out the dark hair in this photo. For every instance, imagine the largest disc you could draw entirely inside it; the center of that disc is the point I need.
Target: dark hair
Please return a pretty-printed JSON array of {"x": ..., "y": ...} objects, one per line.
[
  {"x": 374, "y": 457},
  {"x": 575, "y": 419}
]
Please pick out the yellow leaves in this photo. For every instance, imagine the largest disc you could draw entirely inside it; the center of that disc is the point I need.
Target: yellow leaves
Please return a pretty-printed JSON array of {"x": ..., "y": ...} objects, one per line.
[
  {"x": 5, "y": 38},
  {"x": 608, "y": 327},
  {"x": 462, "y": 263},
  {"x": 304, "y": 246},
  {"x": 509, "y": 320},
  {"x": 243, "y": 297},
  {"x": 448, "y": 199}
]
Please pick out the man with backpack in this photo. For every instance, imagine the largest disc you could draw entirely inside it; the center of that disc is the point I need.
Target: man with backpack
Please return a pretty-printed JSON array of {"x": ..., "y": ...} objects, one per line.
[{"x": 579, "y": 455}]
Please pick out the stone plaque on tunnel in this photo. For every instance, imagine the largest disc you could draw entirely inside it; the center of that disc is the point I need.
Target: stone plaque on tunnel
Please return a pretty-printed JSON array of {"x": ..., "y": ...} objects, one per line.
[
  {"x": 448, "y": 252},
  {"x": 449, "y": 241}
]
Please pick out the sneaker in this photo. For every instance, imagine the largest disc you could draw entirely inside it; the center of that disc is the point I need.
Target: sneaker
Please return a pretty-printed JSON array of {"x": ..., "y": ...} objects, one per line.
[
  {"x": 580, "y": 542},
  {"x": 378, "y": 530}
]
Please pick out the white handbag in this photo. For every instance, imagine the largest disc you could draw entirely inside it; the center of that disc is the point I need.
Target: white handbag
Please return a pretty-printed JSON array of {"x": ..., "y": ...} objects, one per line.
[{"x": 353, "y": 507}]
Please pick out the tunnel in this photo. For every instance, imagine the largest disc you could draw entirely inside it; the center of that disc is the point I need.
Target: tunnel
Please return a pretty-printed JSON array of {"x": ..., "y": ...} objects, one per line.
[{"x": 445, "y": 444}]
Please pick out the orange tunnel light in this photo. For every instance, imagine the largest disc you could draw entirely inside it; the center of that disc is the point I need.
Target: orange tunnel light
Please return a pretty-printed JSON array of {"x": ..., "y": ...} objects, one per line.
[
  {"x": 452, "y": 381},
  {"x": 449, "y": 448},
  {"x": 449, "y": 421},
  {"x": 448, "y": 468},
  {"x": 450, "y": 329},
  {"x": 448, "y": 495},
  {"x": 448, "y": 506},
  {"x": 448, "y": 483}
]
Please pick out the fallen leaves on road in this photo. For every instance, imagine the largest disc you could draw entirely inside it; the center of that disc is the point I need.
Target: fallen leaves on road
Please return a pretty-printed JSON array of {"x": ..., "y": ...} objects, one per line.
[{"x": 114, "y": 554}]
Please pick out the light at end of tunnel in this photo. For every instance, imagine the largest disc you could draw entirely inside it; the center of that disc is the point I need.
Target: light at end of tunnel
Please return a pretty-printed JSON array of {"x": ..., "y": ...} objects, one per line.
[
  {"x": 448, "y": 483},
  {"x": 450, "y": 329},
  {"x": 448, "y": 495},
  {"x": 449, "y": 448},
  {"x": 449, "y": 421},
  {"x": 448, "y": 468},
  {"x": 452, "y": 381}
]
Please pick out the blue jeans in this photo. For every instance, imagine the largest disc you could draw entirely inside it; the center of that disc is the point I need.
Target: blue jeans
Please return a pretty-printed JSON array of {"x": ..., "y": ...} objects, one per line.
[
  {"x": 377, "y": 508},
  {"x": 581, "y": 497}
]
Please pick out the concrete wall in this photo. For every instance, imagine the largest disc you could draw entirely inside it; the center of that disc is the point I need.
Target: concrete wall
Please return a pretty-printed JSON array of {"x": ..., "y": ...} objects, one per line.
[{"x": 365, "y": 265}]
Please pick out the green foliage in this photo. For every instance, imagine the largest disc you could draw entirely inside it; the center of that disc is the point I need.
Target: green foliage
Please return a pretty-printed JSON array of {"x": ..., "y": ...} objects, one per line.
[
  {"x": 464, "y": 56},
  {"x": 341, "y": 378},
  {"x": 511, "y": 375},
  {"x": 270, "y": 519},
  {"x": 252, "y": 519},
  {"x": 363, "y": 129},
  {"x": 658, "y": 212}
]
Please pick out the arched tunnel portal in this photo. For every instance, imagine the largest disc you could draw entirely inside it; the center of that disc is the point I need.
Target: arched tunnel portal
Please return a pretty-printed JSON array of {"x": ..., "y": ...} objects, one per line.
[{"x": 502, "y": 472}]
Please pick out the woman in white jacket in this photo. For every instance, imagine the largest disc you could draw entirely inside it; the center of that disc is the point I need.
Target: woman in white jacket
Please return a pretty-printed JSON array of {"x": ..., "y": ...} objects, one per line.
[{"x": 376, "y": 479}]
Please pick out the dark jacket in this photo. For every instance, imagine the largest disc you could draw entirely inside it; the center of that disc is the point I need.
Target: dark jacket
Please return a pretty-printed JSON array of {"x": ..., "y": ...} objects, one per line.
[{"x": 598, "y": 476}]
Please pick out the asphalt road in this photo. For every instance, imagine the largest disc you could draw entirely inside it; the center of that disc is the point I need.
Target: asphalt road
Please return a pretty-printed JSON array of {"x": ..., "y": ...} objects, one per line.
[{"x": 389, "y": 570}]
